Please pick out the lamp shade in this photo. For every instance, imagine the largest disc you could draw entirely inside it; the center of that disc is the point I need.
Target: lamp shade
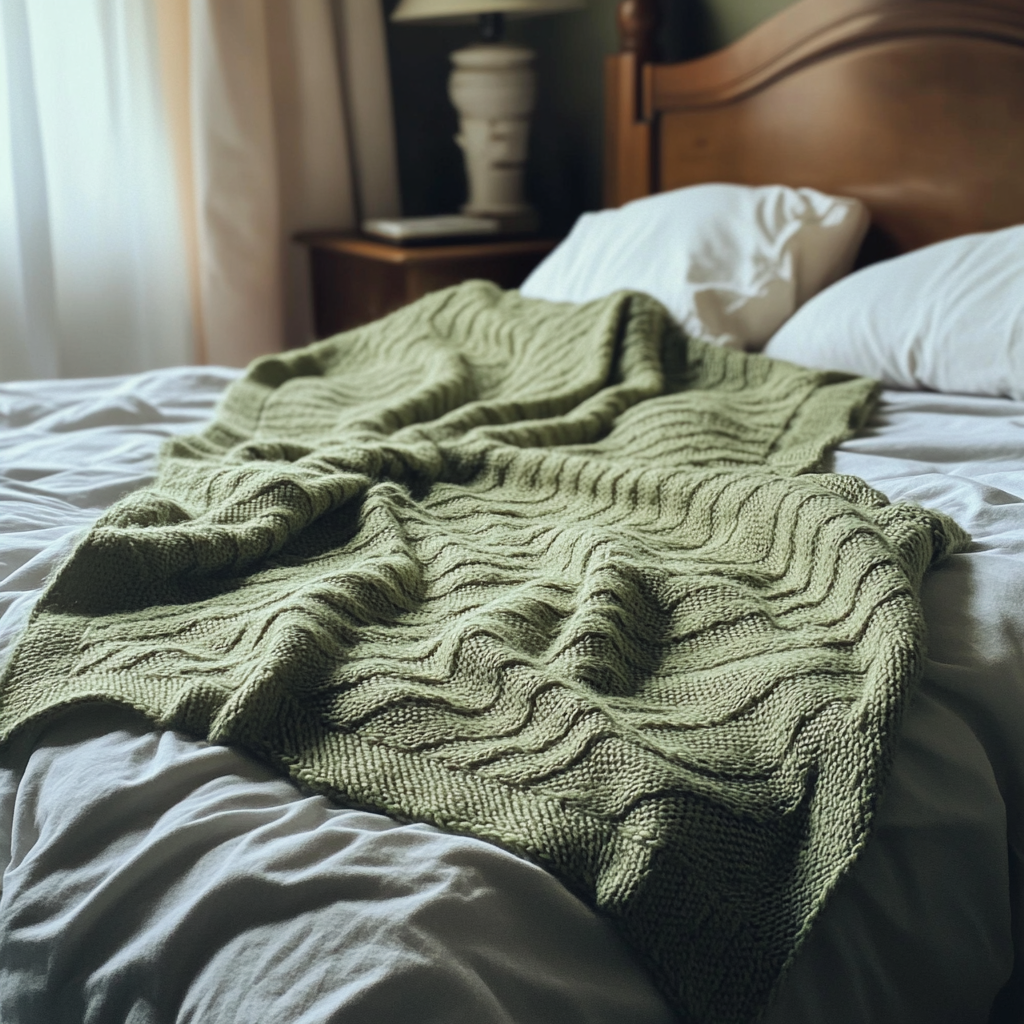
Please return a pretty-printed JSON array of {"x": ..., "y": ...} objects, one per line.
[{"x": 427, "y": 10}]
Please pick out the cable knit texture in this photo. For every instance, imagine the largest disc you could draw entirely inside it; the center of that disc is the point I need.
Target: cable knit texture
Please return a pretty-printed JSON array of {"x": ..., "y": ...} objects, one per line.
[{"x": 552, "y": 576}]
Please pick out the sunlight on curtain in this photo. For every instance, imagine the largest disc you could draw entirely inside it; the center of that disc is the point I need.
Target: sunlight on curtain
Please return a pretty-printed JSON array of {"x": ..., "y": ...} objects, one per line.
[
  {"x": 157, "y": 158},
  {"x": 92, "y": 268}
]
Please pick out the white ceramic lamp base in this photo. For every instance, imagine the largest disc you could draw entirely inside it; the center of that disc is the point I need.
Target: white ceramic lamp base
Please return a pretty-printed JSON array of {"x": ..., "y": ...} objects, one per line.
[{"x": 493, "y": 88}]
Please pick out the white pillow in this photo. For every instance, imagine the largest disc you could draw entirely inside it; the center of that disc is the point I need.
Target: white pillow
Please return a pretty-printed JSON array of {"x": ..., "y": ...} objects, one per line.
[
  {"x": 730, "y": 262},
  {"x": 948, "y": 317}
]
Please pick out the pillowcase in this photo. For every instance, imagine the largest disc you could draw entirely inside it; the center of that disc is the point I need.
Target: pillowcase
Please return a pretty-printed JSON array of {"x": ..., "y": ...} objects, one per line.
[
  {"x": 948, "y": 317},
  {"x": 730, "y": 262}
]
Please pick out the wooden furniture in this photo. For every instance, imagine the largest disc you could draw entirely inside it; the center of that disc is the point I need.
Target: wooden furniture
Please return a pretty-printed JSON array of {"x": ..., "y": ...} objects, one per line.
[
  {"x": 356, "y": 280},
  {"x": 915, "y": 107}
]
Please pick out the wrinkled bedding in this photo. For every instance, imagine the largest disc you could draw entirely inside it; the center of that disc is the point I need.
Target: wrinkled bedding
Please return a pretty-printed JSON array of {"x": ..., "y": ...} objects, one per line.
[{"x": 175, "y": 880}]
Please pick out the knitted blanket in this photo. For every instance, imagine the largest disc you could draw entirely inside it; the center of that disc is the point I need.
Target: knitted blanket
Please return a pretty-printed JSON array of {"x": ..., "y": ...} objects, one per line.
[{"x": 552, "y": 576}]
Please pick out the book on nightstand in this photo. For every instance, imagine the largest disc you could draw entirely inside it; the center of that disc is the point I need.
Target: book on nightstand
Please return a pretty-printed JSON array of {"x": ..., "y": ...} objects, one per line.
[
  {"x": 446, "y": 228},
  {"x": 404, "y": 230}
]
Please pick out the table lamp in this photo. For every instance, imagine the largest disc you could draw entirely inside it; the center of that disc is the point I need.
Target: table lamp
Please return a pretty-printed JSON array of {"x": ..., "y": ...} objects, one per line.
[{"x": 493, "y": 88}]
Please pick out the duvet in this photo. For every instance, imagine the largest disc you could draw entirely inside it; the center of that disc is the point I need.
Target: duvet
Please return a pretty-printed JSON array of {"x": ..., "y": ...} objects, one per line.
[{"x": 547, "y": 575}]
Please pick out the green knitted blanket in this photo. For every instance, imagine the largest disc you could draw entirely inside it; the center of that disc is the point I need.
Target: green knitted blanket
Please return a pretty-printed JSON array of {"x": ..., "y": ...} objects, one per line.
[{"x": 548, "y": 575}]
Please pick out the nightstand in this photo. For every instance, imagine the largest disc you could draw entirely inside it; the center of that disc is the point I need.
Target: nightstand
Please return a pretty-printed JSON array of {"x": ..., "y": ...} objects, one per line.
[{"x": 356, "y": 279}]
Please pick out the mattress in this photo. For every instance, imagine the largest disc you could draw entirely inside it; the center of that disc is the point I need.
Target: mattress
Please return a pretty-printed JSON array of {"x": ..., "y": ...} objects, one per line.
[{"x": 150, "y": 877}]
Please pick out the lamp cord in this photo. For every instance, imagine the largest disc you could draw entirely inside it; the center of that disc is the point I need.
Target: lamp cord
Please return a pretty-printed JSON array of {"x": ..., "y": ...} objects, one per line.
[{"x": 492, "y": 27}]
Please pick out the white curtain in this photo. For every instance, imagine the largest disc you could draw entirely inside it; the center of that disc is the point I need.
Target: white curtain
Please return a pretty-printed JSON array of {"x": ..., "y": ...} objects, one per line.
[
  {"x": 92, "y": 271},
  {"x": 156, "y": 156}
]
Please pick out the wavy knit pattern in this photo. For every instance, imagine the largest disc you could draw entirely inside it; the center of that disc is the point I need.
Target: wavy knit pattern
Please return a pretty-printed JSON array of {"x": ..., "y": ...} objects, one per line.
[{"x": 549, "y": 575}]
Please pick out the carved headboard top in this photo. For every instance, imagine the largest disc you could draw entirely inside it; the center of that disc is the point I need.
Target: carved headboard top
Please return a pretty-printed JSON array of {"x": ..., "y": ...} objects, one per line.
[{"x": 914, "y": 106}]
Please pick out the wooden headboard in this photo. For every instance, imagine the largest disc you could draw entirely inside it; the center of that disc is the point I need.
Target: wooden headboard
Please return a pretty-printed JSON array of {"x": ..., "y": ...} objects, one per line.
[{"x": 914, "y": 106}]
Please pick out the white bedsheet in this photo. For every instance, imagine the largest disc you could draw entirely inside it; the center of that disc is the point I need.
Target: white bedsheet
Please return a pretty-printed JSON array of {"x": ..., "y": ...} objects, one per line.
[{"x": 148, "y": 877}]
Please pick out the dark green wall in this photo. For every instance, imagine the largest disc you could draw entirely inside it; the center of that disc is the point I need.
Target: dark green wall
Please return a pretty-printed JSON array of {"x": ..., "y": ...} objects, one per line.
[
  {"x": 564, "y": 172},
  {"x": 729, "y": 19}
]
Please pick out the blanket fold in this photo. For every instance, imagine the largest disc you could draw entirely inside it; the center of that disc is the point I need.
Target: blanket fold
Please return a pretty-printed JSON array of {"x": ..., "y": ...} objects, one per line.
[{"x": 553, "y": 576}]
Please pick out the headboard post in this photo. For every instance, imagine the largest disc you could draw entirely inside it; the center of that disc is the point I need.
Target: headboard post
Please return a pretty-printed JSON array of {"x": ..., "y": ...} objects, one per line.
[
  {"x": 637, "y": 21},
  {"x": 627, "y": 165}
]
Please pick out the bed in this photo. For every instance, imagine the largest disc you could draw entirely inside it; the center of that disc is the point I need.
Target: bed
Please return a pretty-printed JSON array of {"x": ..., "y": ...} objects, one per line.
[{"x": 151, "y": 876}]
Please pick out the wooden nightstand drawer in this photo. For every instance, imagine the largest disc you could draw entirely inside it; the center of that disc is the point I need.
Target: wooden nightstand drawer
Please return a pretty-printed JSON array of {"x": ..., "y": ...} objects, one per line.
[{"x": 356, "y": 280}]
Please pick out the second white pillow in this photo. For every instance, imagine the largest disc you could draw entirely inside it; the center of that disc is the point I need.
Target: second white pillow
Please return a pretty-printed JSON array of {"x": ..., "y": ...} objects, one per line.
[{"x": 948, "y": 317}]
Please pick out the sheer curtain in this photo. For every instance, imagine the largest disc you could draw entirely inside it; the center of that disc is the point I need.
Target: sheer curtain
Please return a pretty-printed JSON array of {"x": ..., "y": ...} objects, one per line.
[
  {"x": 155, "y": 158},
  {"x": 92, "y": 270}
]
